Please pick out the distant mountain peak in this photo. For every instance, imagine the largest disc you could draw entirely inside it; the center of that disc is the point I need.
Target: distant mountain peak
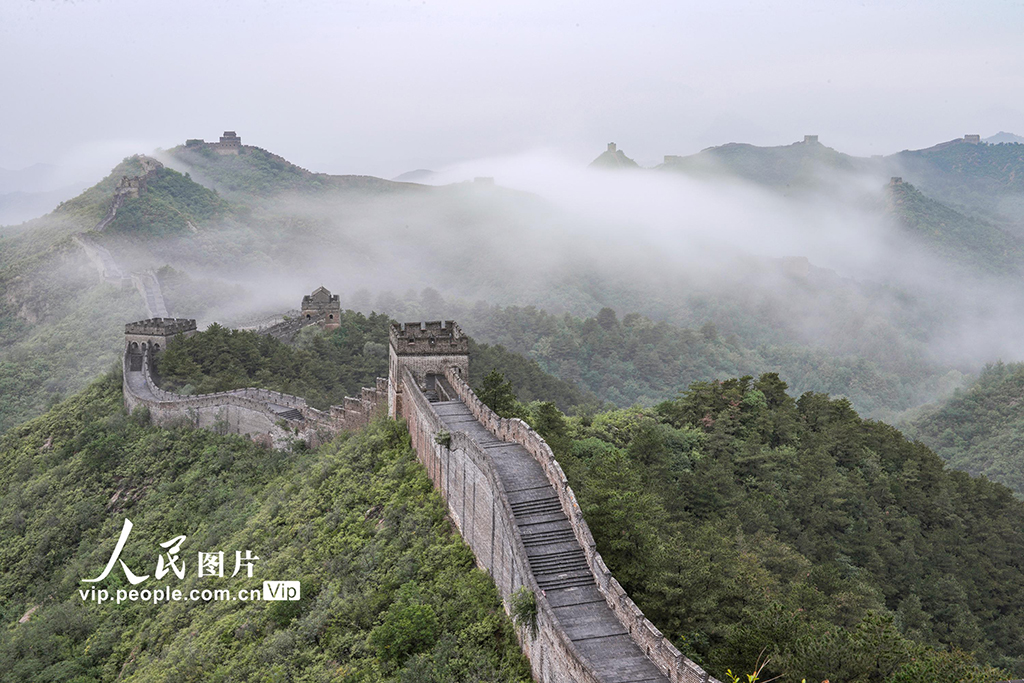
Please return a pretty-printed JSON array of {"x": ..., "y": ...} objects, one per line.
[
  {"x": 1003, "y": 137},
  {"x": 418, "y": 176}
]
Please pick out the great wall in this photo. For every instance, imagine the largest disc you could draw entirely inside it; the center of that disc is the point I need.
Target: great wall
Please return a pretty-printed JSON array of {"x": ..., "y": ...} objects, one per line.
[
  {"x": 504, "y": 489},
  {"x": 505, "y": 492},
  {"x": 145, "y": 281}
]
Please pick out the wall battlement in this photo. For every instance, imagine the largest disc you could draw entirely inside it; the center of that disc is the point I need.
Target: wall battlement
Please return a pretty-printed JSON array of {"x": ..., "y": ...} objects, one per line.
[
  {"x": 427, "y": 350},
  {"x": 438, "y": 337},
  {"x": 145, "y": 339},
  {"x": 161, "y": 326},
  {"x": 500, "y": 481}
]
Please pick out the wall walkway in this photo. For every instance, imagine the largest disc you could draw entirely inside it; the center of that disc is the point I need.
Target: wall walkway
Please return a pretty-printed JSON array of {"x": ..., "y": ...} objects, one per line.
[
  {"x": 515, "y": 509},
  {"x": 148, "y": 286}
]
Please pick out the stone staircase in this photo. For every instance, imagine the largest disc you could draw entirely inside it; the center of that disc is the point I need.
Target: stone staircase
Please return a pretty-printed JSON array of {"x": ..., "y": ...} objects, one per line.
[{"x": 555, "y": 557}]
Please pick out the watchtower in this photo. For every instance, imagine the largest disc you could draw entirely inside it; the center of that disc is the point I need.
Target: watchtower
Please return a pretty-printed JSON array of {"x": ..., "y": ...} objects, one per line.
[
  {"x": 810, "y": 139},
  {"x": 427, "y": 349},
  {"x": 322, "y": 304},
  {"x": 611, "y": 147},
  {"x": 229, "y": 143},
  {"x": 154, "y": 334},
  {"x": 972, "y": 139}
]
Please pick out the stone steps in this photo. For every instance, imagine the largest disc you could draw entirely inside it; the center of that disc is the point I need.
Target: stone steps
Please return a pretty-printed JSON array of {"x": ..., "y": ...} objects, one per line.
[
  {"x": 546, "y": 537},
  {"x": 555, "y": 557},
  {"x": 541, "y": 506},
  {"x": 574, "y": 579}
]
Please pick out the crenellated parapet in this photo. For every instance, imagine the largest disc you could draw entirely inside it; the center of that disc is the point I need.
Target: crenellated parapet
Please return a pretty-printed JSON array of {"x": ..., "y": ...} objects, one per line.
[{"x": 438, "y": 337}]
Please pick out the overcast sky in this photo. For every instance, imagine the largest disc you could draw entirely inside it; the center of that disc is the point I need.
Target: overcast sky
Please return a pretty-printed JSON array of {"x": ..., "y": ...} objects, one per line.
[{"x": 385, "y": 87}]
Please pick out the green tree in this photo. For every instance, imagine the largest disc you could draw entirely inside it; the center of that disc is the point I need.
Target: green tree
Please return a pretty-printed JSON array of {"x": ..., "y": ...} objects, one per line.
[{"x": 498, "y": 394}]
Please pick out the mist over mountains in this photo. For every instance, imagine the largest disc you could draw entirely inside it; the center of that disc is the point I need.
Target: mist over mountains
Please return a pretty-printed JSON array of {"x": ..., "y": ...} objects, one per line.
[
  {"x": 899, "y": 273},
  {"x": 889, "y": 283},
  {"x": 30, "y": 192}
]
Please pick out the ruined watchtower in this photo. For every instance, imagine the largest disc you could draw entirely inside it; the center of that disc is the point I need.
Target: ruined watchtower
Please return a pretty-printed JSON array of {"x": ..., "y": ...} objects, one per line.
[
  {"x": 154, "y": 334},
  {"x": 427, "y": 349},
  {"x": 324, "y": 306}
]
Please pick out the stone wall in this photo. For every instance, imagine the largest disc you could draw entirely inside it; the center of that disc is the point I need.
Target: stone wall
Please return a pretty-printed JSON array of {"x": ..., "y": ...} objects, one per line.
[
  {"x": 286, "y": 330},
  {"x": 148, "y": 286},
  {"x": 128, "y": 188},
  {"x": 467, "y": 479},
  {"x": 645, "y": 634},
  {"x": 103, "y": 261},
  {"x": 270, "y": 417}
]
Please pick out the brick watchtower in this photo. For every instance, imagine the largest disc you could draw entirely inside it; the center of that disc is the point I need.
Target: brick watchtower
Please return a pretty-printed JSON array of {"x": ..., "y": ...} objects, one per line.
[
  {"x": 154, "y": 334},
  {"x": 427, "y": 349},
  {"x": 323, "y": 306}
]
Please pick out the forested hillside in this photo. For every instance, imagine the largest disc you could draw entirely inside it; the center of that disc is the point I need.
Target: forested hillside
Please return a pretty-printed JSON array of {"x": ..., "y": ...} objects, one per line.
[
  {"x": 278, "y": 230},
  {"x": 321, "y": 367},
  {"x": 748, "y": 525},
  {"x": 980, "y": 429},
  {"x": 744, "y": 522},
  {"x": 986, "y": 180},
  {"x": 799, "y": 166},
  {"x": 259, "y": 173},
  {"x": 961, "y": 239},
  {"x": 389, "y": 592},
  {"x": 170, "y": 204},
  {"x": 637, "y": 360},
  {"x": 61, "y": 325}
]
